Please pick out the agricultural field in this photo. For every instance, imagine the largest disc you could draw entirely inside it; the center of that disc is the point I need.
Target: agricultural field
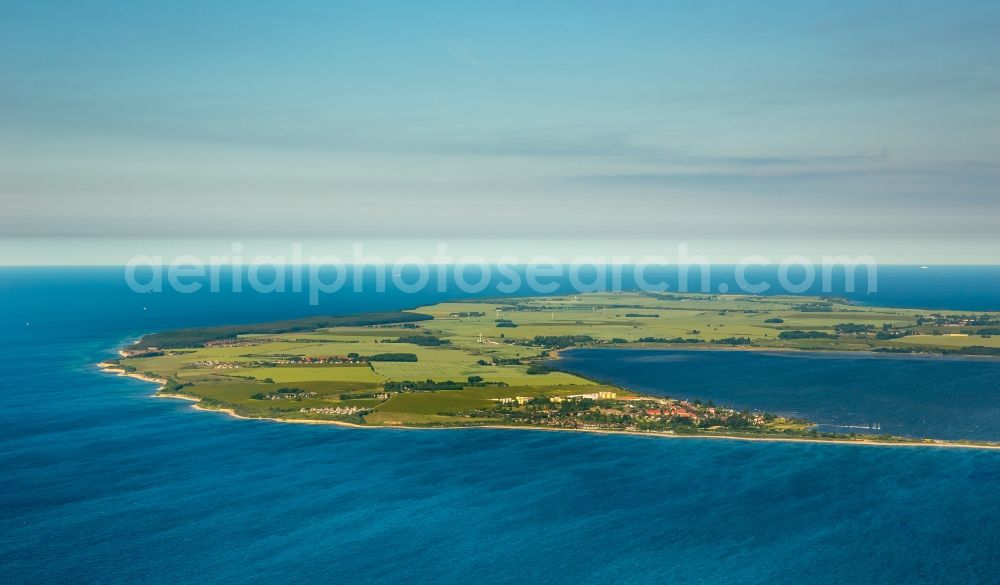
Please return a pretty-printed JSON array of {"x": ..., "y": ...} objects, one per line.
[
  {"x": 486, "y": 362},
  {"x": 949, "y": 341}
]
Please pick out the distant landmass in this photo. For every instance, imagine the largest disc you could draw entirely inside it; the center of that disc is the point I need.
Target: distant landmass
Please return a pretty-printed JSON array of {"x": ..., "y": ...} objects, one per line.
[{"x": 491, "y": 363}]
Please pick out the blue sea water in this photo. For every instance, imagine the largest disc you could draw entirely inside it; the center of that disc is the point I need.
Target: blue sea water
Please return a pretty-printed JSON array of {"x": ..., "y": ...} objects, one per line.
[{"x": 102, "y": 484}]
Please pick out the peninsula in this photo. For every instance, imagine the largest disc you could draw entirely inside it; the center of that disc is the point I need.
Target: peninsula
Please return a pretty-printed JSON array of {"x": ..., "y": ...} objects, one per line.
[{"x": 491, "y": 363}]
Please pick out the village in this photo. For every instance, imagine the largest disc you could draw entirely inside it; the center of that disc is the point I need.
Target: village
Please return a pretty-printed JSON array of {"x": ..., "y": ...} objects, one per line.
[
  {"x": 607, "y": 411},
  {"x": 338, "y": 410},
  {"x": 283, "y": 394},
  {"x": 279, "y": 361}
]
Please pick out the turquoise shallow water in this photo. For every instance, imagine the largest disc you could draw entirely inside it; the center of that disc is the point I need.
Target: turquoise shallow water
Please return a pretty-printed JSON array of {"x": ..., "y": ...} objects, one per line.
[{"x": 102, "y": 484}]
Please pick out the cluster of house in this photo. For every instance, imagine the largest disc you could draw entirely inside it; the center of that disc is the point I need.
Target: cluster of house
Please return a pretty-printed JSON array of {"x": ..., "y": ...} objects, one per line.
[
  {"x": 516, "y": 399},
  {"x": 676, "y": 409},
  {"x": 301, "y": 359},
  {"x": 335, "y": 410},
  {"x": 959, "y": 320},
  {"x": 241, "y": 341},
  {"x": 557, "y": 399},
  {"x": 684, "y": 409},
  {"x": 604, "y": 395},
  {"x": 463, "y": 314},
  {"x": 283, "y": 395},
  {"x": 219, "y": 365},
  {"x": 644, "y": 405},
  {"x": 228, "y": 365}
]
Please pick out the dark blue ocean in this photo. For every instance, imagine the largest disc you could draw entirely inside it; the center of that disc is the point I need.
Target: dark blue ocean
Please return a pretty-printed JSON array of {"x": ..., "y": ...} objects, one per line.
[{"x": 102, "y": 484}]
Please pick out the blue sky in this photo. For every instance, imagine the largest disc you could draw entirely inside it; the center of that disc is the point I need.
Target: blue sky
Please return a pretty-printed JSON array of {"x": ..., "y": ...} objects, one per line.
[{"x": 788, "y": 127}]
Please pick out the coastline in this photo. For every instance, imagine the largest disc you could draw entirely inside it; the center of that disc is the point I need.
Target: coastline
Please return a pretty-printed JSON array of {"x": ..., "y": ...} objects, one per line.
[
  {"x": 112, "y": 368},
  {"x": 115, "y": 369}
]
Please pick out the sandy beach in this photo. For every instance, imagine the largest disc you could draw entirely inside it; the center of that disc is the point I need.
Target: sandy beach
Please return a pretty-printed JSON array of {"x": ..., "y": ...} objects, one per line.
[{"x": 117, "y": 370}]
